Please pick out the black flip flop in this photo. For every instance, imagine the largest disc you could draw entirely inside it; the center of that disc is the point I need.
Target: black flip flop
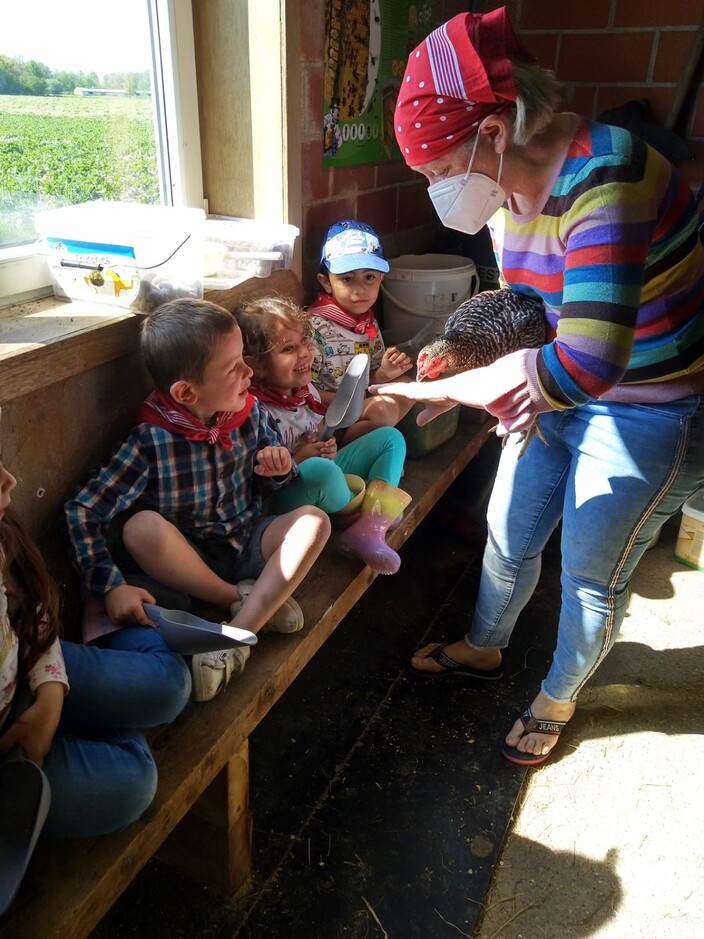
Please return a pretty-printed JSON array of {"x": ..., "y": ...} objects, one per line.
[
  {"x": 532, "y": 725},
  {"x": 453, "y": 669}
]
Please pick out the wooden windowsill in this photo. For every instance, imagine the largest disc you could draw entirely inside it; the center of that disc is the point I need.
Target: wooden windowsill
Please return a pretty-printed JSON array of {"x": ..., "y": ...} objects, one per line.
[{"x": 49, "y": 340}]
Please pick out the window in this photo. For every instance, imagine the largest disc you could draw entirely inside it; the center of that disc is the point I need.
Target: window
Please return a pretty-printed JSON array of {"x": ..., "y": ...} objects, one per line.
[{"x": 98, "y": 103}]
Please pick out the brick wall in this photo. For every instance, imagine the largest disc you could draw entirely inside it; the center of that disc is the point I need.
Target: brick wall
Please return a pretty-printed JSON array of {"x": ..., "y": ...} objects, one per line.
[
  {"x": 606, "y": 52},
  {"x": 609, "y": 52}
]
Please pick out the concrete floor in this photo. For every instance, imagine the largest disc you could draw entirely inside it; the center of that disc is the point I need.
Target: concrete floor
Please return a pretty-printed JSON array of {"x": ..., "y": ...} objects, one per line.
[
  {"x": 383, "y": 807},
  {"x": 607, "y": 837}
]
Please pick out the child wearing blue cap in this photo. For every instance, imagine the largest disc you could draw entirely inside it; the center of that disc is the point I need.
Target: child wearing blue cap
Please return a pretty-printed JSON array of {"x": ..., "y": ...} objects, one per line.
[{"x": 352, "y": 267}]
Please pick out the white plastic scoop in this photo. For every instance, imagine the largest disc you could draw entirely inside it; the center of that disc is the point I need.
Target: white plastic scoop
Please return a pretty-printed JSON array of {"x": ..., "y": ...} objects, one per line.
[
  {"x": 25, "y": 799},
  {"x": 346, "y": 407},
  {"x": 188, "y": 634}
]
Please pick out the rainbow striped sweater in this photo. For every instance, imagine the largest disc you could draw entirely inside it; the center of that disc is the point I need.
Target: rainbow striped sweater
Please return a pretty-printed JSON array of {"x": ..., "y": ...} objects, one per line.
[{"x": 615, "y": 255}]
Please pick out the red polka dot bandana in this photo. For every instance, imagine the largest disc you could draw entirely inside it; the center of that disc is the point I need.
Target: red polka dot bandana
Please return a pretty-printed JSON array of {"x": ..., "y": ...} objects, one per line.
[{"x": 455, "y": 78}]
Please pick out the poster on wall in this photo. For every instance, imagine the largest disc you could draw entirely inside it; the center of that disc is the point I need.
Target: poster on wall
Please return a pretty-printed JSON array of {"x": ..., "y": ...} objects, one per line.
[{"x": 367, "y": 43}]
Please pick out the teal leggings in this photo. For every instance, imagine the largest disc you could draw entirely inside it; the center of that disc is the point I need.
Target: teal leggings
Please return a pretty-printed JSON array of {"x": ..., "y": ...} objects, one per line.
[{"x": 376, "y": 455}]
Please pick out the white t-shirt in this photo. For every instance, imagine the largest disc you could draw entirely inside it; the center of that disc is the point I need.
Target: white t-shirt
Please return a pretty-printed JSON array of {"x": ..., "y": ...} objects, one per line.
[{"x": 295, "y": 424}]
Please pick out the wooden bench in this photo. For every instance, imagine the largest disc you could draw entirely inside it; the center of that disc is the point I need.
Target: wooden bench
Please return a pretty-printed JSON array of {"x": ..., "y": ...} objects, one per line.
[{"x": 199, "y": 819}]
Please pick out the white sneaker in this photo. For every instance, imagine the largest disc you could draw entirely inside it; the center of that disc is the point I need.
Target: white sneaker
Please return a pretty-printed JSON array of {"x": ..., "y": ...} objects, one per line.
[
  {"x": 212, "y": 671},
  {"x": 287, "y": 619}
]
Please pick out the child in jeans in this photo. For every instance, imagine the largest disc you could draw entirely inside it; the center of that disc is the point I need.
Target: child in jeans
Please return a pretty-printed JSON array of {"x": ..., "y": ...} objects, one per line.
[
  {"x": 180, "y": 501},
  {"x": 352, "y": 269},
  {"x": 87, "y": 707},
  {"x": 357, "y": 482}
]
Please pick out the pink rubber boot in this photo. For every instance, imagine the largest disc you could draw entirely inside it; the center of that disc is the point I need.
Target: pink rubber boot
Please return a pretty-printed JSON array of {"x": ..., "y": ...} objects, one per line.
[{"x": 366, "y": 539}]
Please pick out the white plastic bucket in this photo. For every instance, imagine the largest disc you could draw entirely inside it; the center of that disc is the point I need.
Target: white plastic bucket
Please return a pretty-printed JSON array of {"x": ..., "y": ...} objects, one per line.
[
  {"x": 690, "y": 539},
  {"x": 423, "y": 287}
]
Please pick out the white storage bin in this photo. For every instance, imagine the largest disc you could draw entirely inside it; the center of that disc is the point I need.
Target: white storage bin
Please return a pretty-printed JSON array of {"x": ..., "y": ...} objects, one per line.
[
  {"x": 236, "y": 249},
  {"x": 124, "y": 253},
  {"x": 426, "y": 287},
  {"x": 689, "y": 548}
]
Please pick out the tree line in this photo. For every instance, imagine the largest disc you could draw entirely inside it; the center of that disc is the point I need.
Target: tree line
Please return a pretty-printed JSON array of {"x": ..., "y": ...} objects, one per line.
[{"x": 20, "y": 77}]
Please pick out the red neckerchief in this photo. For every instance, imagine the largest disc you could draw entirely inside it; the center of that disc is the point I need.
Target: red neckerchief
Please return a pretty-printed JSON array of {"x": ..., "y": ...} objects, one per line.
[
  {"x": 324, "y": 305},
  {"x": 161, "y": 409},
  {"x": 299, "y": 398}
]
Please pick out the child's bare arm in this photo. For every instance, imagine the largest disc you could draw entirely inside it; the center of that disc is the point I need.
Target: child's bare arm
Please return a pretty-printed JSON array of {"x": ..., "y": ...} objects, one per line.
[
  {"x": 34, "y": 729},
  {"x": 326, "y": 396}
]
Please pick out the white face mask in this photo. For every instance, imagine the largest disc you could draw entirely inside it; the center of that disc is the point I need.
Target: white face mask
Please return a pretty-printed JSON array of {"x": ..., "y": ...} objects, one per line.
[{"x": 466, "y": 203}]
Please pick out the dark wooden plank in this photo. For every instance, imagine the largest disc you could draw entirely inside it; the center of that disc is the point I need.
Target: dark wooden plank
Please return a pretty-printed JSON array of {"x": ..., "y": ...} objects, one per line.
[{"x": 213, "y": 841}]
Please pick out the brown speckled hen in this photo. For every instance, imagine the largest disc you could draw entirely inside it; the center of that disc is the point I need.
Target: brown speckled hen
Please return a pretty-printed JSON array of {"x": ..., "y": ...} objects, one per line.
[{"x": 483, "y": 329}]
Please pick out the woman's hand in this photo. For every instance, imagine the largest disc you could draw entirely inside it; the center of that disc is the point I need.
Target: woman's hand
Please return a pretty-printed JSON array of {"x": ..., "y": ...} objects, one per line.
[
  {"x": 436, "y": 402},
  {"x": 501, "y": 388},
  {"x": 273, "y": 461},
  {"x": 34, "y": 729}
]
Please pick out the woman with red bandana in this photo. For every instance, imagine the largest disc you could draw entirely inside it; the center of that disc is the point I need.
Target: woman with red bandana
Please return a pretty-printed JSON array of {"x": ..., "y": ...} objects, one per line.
[{"x": 603, "y": 230}]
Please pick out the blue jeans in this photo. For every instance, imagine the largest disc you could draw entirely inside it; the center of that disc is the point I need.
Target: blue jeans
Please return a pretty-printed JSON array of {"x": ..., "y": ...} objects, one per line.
[
  {"x": 612, "y": 473},
  {"x": 101, "y": 772},
  {"x": 376, "y": 455}
]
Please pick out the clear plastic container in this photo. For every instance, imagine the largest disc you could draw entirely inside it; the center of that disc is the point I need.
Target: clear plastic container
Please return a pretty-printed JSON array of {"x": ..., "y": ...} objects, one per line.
[
  {"x": 236, "y": 249},
  {"x": 124, "y": 253}
]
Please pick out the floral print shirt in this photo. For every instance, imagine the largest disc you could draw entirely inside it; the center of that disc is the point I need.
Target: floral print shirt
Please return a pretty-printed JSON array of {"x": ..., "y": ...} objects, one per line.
[{"x": 48, "y": 667}]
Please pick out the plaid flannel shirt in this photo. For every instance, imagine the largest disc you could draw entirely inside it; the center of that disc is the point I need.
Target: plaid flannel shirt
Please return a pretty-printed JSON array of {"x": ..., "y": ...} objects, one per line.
[{"x": 207, "y": 492}]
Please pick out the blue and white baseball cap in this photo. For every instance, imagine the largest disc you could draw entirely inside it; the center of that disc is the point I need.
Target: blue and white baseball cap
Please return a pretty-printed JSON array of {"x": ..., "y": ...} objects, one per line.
[{"x": 350, "y": 245}]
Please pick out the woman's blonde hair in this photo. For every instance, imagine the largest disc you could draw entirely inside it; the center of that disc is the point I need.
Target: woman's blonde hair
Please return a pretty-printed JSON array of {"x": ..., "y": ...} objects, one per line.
[
  {"x": 256, "y": 319},
  {"x": 537, "y": 100}
]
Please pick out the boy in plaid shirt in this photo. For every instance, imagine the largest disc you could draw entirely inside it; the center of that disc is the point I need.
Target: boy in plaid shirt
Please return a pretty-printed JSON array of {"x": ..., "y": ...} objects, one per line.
[{"x": 180, "y": 503}]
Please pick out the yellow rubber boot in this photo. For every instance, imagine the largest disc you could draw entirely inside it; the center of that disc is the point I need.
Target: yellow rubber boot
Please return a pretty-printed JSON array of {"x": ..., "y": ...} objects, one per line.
[{"x": 350, "y": 512}]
